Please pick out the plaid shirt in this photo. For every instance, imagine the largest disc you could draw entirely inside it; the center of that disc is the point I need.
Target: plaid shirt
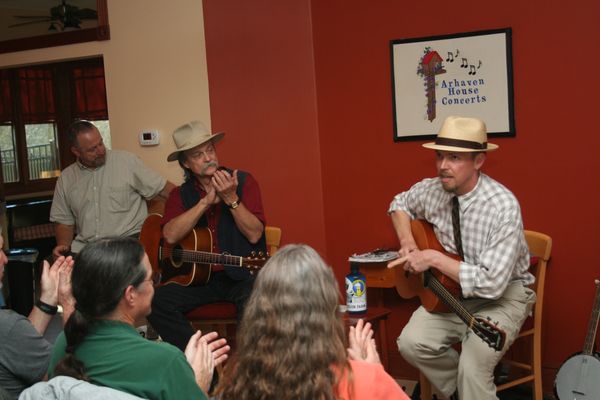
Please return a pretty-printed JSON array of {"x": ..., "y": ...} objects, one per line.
[{"x": 494, "y": 245}]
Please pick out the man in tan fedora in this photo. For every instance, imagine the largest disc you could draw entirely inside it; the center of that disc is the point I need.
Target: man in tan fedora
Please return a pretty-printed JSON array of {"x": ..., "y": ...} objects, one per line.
[
  {"x": 225, "y": 201},
  {"x": 479, "y": 219}
]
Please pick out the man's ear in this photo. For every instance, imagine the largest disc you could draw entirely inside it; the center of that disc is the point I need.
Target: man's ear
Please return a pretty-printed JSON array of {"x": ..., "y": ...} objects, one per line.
[
  {"x": 479, "y": 160},
  {"x": 75, "y": 151},
  {"x": 129, "y": 295}
]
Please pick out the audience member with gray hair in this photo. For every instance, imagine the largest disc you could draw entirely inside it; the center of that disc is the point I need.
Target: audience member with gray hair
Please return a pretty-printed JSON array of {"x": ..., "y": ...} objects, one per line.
[{"x": 291, "y": 343}]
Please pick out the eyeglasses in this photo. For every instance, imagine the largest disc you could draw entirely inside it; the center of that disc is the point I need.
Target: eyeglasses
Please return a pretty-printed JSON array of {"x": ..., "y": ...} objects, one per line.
[{"x": 154, "y": 279}]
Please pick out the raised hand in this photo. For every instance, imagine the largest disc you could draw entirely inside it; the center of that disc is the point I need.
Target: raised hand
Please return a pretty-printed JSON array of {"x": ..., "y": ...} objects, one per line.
[
  {"x": 226, "y": 185},
  {"x": 50, "y": 279},
  {"x": 203, "y": 353},
  {"x": 65, "y": 295},
  {"x": 211, "y": 196},
  {"x": 362, "y": 345}
]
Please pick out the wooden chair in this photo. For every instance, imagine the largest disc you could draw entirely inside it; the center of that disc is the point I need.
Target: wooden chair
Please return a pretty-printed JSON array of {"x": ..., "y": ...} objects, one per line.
[
  {"x": 223, "y": 314},
  {"x": 530, "y": 337}
]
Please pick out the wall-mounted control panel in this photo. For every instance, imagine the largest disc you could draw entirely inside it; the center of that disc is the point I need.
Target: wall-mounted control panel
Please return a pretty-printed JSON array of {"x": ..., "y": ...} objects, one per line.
[{"x": 149, "y": 138}]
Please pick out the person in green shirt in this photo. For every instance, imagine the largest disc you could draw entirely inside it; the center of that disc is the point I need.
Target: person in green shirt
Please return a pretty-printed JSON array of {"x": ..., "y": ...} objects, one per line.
[{"x": 113, "y": 288}]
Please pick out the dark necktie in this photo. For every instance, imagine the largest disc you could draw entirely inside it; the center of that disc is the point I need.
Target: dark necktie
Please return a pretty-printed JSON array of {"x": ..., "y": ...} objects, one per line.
[{"x": 456, "y": 227}]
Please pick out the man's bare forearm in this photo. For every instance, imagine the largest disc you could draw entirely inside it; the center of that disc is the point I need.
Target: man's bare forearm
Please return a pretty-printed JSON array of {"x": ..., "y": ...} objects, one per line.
[
  {"x": 179, "y": 227},
  {"x": 64, "y": 234}
]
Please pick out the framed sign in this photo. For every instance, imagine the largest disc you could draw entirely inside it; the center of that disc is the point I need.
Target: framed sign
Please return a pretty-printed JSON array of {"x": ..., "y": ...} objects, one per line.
[{"x": 465, "y": 74}]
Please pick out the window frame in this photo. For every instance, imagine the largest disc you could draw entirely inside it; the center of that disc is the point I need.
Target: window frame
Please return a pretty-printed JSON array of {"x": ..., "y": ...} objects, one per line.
[{"x": 64, "y": 99}]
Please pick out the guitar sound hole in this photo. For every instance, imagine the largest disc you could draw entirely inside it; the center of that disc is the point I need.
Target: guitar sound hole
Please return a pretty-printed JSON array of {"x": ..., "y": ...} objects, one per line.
[{"x": 176, "y": 255}]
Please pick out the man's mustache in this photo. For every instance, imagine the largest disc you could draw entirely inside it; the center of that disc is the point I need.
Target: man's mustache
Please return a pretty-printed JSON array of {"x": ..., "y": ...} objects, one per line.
[{"x": 209, "y": 165}]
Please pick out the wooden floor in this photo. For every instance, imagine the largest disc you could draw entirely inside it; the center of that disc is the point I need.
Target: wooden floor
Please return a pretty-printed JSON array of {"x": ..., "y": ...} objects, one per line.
[{"x": 517, "y": 393}]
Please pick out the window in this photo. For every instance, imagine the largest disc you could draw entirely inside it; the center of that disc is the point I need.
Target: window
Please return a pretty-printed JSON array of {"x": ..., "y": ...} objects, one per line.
[{"x": 37, "y": 105}]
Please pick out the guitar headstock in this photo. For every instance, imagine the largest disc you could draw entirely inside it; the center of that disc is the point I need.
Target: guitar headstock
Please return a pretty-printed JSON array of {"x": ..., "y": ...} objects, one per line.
[
  {"x": 489, "y": 333},
  {"x": 255, "y": 261}
]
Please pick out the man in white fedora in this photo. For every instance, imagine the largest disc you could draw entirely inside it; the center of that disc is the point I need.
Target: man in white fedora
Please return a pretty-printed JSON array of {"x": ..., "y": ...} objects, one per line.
[
  {"x": 478, "y": 219},
  {"x": 225, "y": 201}
]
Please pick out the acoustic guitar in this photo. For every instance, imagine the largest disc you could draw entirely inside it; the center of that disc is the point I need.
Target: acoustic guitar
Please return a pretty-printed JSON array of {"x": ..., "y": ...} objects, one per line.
[
  {"x": 189, "y": 261},
  {"x": 439, "y": 293},
  {"x": 579, "y": 376}
]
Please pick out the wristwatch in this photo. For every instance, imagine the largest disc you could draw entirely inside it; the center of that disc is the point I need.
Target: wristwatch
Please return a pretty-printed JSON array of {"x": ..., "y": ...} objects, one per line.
[{"x": 235, "y": 204}]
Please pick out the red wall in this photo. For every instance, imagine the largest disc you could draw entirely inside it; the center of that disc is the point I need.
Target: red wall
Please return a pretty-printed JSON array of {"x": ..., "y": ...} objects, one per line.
[{"x": 324, "y": 152}]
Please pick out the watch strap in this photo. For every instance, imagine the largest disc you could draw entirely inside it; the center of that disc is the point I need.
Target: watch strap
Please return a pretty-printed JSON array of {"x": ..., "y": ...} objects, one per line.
[{"x": 47, "y": 308}]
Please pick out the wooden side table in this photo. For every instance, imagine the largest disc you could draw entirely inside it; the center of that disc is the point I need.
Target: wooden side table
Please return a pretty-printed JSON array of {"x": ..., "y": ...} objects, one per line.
[
  {"x": 378, "y": 275},
  {"x": 377, "y": 316}
]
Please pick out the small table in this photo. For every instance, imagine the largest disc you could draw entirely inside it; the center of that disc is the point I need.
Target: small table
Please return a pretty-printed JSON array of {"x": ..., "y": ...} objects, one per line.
[{"x": 377, "y": 316}]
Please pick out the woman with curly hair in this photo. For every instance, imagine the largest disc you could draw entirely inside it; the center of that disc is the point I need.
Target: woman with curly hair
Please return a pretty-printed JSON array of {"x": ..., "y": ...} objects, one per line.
[{"x": 291, "y": 342}]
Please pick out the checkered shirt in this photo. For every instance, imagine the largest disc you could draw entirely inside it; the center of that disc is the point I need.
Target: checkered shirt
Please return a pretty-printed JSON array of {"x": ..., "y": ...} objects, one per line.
[{"x": 494, "y": 245}]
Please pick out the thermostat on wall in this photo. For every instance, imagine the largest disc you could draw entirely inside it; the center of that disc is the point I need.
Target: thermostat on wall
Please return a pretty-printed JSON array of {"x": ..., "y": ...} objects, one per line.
[{"x": 149, "y": 138}]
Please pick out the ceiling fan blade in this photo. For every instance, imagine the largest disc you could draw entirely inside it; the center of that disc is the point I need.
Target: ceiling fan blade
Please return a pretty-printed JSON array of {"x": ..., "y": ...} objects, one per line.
[
  {"x": 30, "y": 22},
  {"x": 86, "y": 13},
  {"x": 30, "y": 16}
]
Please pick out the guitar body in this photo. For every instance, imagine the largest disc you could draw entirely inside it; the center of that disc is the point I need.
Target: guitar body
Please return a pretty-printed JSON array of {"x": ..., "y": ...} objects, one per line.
[
  {"x": 579, "y": 378},
  {"x": 438, "y": 293},
  {"x": 150, "y": 237},
  {"x": 188, "y": 262},
  {"x": 176, "y": 270},
  {"x": 165, "y": 259},
  {"x": 411, "y": 285}
]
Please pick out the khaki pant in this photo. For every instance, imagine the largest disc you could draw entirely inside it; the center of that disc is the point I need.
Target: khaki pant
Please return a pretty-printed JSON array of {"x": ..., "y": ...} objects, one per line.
[{"x": 426, "y": 343}]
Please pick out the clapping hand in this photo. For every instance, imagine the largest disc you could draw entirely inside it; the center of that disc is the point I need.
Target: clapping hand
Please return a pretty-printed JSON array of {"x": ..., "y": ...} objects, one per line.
[
  {"x": 51, "y": 279},
  {"x": 362, "y": 345},
  {"x": 204, "y": 353},
  {"x": 226, "y": 185}
]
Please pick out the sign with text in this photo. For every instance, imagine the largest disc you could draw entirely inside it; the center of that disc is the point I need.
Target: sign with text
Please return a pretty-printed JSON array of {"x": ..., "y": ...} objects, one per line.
[{"x": 466, "y": 74}]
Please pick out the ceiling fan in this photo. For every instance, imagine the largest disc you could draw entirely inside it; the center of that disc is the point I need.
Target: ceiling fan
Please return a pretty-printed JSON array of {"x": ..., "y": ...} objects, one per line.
[{"x": 62, "y": 17}]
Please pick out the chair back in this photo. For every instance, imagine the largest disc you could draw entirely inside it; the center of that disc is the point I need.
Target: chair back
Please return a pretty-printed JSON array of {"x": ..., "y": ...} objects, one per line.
[
  {"x": 540, "y": 246},
  {"x": 273, "y": 236}
]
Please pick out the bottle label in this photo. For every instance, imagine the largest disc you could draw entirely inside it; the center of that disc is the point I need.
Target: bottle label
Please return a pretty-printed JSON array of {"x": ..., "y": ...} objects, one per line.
[{"x": 356, "y": 294}]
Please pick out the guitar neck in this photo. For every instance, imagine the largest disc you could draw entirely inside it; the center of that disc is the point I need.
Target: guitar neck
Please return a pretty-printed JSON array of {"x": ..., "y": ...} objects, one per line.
[
  {"x": 203, "y": 257},
  {"x": 588, "y": 347},
  {"x": 432, "y": 282}
]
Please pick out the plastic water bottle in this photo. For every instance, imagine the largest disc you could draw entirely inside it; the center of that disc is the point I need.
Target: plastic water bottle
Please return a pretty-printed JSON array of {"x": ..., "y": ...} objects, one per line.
[{"x": 356, "y": 290}]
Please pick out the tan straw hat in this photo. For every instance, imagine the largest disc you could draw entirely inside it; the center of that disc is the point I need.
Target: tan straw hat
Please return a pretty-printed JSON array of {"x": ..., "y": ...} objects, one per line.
[
  {"x": 461, "y": 134},
  {"x": 191, "y": 135}
]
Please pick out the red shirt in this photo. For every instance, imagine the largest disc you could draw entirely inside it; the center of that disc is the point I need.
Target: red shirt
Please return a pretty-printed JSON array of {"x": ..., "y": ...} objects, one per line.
[
  {"x": 250, "y": 197},
  {"x": 370, "y": 381}
]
